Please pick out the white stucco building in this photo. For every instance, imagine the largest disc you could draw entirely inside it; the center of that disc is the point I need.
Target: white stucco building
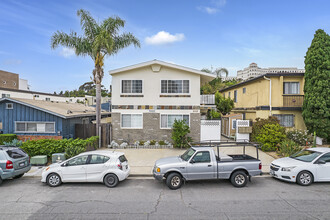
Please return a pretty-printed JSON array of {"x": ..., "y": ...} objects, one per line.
[{"x": 253, "y": 71}]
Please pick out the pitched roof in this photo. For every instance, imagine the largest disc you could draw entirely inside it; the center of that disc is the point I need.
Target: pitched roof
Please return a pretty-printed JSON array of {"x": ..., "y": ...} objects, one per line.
[
  {"x": 29, "y": 91},
  {"x": 260, "y": 77},
  {"x": 162, "y": 63},
  {"x": 60, "y": 109}
]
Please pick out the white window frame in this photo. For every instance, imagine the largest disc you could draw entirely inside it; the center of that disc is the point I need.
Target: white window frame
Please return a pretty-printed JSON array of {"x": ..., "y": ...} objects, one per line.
[
  {"x": 232, "y": 124},
  {"x": 167, "y": 93},
  {"x": 291, "y": 89},
  {"x": 9, "y": 103},
  {"x": 121, "y": 120},
  {"x": 121, "y": 89},
  {"x": 160, "y": 119},
  {"x": 281, "y": 115},
  {"x": 37, "y": 122}
]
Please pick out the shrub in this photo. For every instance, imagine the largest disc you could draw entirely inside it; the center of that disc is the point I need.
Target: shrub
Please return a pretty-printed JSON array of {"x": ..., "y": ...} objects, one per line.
[
  {"x": 7, "y": 138},
  {"x": 147, "y": 143},
  {"x": 141, "y": 142},
  {"x": 71, "y": 147},
  {"x": 180, "y": 134},
  {"x": 14, "y": 142},
  {"x": 288, "y": 147},
  {"x": 152, "y": 142},
  {"x": 258, "y": 125},
  {"x": 269, "y": 136},
  {"x": 162, "y": 143},
  {"x": 300, "y": 137}
]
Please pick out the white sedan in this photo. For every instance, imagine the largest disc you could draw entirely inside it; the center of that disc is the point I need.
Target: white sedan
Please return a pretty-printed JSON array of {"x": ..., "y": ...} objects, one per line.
[
  {"x": 107, "y": 167},
  {"x": 305, "y": 167}
]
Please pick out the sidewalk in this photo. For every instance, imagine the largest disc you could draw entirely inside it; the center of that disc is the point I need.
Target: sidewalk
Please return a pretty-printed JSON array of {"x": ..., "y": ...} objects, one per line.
[{"x": 142, "y": 161}]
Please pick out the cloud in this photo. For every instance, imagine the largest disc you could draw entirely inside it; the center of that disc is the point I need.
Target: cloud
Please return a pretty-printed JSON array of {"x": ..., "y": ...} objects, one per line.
[
  {"x": 216, "y": 5},
  {"x": 67, "y": 52},
  {"x": 12, "y": 62},
  {"x": 208, "y": 10},
  {"x": 163, "y": 37}
]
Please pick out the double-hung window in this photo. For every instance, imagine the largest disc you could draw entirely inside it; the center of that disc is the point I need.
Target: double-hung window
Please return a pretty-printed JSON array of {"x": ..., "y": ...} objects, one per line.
[
  {"x": 174, "y": 86},
  {"x": 131, "y": 121},
  {"x": 286, "y": 120},
  {"x": 291, "y": 87},
  {"x": 131, "y": 86},
  {"x": 35, "y": 127},
  {"x": 167, "y": 121},
  {"x": 235, "y": 96}
]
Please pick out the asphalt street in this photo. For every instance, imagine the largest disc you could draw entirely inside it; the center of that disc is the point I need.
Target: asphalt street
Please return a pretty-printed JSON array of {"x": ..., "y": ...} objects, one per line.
[{"x": 263, "y": 198}]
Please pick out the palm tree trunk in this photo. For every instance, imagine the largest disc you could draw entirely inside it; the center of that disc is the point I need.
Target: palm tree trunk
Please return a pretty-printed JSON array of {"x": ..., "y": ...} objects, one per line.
[{"x": 98, "y": 107}]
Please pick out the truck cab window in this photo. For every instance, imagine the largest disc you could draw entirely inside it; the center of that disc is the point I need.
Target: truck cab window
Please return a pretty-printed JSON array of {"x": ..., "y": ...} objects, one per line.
[{"x": 202, "y": 157}]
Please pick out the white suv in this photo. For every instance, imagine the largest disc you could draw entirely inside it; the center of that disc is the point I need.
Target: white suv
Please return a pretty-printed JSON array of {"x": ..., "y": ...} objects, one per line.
[
  {"x": 305, "y": 167},
  {"x": 107, "y": 167}
]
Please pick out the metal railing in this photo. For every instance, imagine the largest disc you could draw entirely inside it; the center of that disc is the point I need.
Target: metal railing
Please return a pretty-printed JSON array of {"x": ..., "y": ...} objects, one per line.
[{"x": 207, "y": 99}]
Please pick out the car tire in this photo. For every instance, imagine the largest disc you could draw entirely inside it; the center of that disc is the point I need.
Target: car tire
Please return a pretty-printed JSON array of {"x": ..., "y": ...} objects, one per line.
[
  {"x": 239, "y": 179},
  {"x": 111, "y": 180},
  {"x": 174, "y": 181},
  {"x": 0, "y": 181},
  {"x": 19, "y": 176},
  {"x": 305, "y": 178},
  {"x": 53, "y": 180}
]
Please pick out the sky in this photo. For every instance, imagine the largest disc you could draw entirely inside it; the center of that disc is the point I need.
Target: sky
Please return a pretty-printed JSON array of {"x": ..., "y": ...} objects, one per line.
[{"x": 192, "y": 33}]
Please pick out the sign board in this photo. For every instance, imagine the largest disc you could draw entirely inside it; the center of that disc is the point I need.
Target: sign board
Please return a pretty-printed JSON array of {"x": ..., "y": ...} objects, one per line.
[{"x": 245, "y": 130}]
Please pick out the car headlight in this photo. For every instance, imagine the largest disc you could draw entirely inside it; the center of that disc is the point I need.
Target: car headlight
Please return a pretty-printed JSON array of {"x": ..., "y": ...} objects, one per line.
[
  {"x": 287, "y": 169},
  {"x": 157, "y": 169}
]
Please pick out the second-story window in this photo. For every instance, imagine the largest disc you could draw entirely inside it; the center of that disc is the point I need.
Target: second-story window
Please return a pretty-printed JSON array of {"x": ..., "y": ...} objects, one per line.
[
  {"x": 291, "y": 87},
  {"x": 235, "y": 96},
  {"x": 174, "y": 86},
  {"x": 131, "y": 86}
]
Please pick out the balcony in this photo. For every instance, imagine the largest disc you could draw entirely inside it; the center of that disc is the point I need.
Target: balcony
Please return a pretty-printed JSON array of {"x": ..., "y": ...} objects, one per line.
[
  {"x": 207, "y": 99},
  {"x": 293, "y": 100}
]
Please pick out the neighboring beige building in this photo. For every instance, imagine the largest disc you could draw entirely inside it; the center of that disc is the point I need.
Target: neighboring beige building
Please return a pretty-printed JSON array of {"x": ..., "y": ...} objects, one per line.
[
  {"x": 253, "y": 71},
  {"x": 9, "y": 80},
  {"x": 148, "y": 97}
]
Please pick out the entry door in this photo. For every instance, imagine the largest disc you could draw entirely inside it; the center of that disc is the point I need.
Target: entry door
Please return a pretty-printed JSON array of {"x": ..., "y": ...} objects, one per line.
[
  {"x": 323, "y": 170},
  {"x": 75, "y": 169},
  {"x": 200, "y": 167}
]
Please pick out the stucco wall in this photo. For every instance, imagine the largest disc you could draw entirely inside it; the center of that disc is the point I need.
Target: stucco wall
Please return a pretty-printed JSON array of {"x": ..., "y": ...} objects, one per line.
[{"x": 151, "y": 82}]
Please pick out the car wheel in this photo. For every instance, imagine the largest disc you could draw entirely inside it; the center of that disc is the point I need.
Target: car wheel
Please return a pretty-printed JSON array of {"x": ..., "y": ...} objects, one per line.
[
  {"x": 174, "y": 181},
  {"x": 305, "y": 178},
  {"x": 111, "y": 180},
  {"x": 19, "y": 176},
  {"x": 239, "y": 179},
  {"x": 53, "y": 180},
  {"x": 0, "y": 181}
]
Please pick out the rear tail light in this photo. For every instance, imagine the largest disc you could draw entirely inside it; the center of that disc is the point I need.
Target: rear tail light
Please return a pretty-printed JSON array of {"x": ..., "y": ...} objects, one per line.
[
  {"x": 260, "y": 166},
  {"x": 120, "y": 166},
  {"x": 9, "y": 165}
]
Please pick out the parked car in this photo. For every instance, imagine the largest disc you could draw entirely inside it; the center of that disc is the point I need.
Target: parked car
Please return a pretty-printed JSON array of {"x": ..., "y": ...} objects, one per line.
[
  {"x": 108, "y": 167},
  {"x": 305, "y": 167},
  {"x": 14, "y": 162},
  {"x": 202, "y": 163}
]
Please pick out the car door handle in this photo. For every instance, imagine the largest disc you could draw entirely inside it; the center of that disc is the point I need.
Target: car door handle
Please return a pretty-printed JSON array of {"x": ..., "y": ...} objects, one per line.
[{"x": 209, "y": 165}]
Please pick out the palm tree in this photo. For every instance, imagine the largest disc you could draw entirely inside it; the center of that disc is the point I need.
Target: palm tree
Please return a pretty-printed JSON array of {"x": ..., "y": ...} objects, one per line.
[
  {"x": 98, "y": 40},
  {"x": 220, "y": 70}
]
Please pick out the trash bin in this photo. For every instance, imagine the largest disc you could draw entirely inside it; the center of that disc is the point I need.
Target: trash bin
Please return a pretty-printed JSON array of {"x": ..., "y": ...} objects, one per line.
[{"x": 58, "y": 157}]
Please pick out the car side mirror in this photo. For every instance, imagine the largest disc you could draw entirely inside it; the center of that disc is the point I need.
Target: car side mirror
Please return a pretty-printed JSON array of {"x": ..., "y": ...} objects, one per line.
[
  {"x": 64, "y": 164},
  {"x": 321, "y": 162},
  {"x": 192, "y": 161}
]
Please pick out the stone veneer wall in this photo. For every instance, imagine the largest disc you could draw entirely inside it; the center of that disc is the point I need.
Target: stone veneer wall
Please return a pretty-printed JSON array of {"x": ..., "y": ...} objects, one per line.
[{"x": 151, "y": 129}]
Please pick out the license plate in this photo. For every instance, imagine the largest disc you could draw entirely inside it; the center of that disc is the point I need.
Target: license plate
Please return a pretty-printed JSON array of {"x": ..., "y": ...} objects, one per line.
[{"x": 22, "y": 164}]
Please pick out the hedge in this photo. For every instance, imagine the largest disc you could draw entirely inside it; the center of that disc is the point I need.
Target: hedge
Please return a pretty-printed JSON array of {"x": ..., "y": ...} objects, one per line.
[
  {"x": 71, "y": 147},
  {"x": 7, "y": 138}
]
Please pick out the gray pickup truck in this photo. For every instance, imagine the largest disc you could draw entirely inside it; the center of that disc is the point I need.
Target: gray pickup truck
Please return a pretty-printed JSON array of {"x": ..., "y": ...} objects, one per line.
[{"x": 202, "y": 163}]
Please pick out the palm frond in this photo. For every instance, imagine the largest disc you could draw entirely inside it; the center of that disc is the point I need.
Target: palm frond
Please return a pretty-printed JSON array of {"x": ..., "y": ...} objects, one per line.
[
  {"x": 113, "y": 25},
  {"x": 88, "y": 24},
  {"x": 125, "y": 40}
]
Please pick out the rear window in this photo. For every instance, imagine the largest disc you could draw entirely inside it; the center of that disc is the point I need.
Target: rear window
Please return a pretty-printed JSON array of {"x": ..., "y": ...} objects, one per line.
[
  {"x": 122, "y": 159},
  {"x": 16, "y": 153}
]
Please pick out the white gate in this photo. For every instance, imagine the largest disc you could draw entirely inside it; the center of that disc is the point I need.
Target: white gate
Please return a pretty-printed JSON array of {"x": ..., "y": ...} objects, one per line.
[
  {"x": 242, "y": 137},
  {"x": 210, "y": 130}
]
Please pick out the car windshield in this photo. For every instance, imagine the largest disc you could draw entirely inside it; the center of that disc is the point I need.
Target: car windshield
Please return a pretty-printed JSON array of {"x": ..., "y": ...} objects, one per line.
[
  {"x": 306, "y": 155},
  {"x": 187, "y": 154}
]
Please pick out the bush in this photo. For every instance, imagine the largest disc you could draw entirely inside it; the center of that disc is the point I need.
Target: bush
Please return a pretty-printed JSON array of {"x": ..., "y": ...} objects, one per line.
[
  {"x": 300, "y": 137},
  {"x": 162, "y": 143},
  {"x": 14, "y": 142},
  {"x": 269, "y": 136},
  {"x": 288, "y": 147},
  {"x": 71, "y": 147},
  {"x": 180, "y": 134},
  {"x": 153, "y": 142},
  {"x": 7, "y": 138},
  {"x": 258, "y": 125}
]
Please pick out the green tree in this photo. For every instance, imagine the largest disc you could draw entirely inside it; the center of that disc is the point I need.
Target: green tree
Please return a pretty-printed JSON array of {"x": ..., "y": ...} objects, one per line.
[
  {"x": 224, "y": 105},
  {"x": 180, "y": 134},
  {"x": 98, "y": 40},
  {"x": 316, "y": 106}
]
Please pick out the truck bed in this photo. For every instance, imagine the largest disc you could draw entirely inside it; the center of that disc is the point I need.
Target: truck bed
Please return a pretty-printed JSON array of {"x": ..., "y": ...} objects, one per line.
[{"x": 237, "y": 158}]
